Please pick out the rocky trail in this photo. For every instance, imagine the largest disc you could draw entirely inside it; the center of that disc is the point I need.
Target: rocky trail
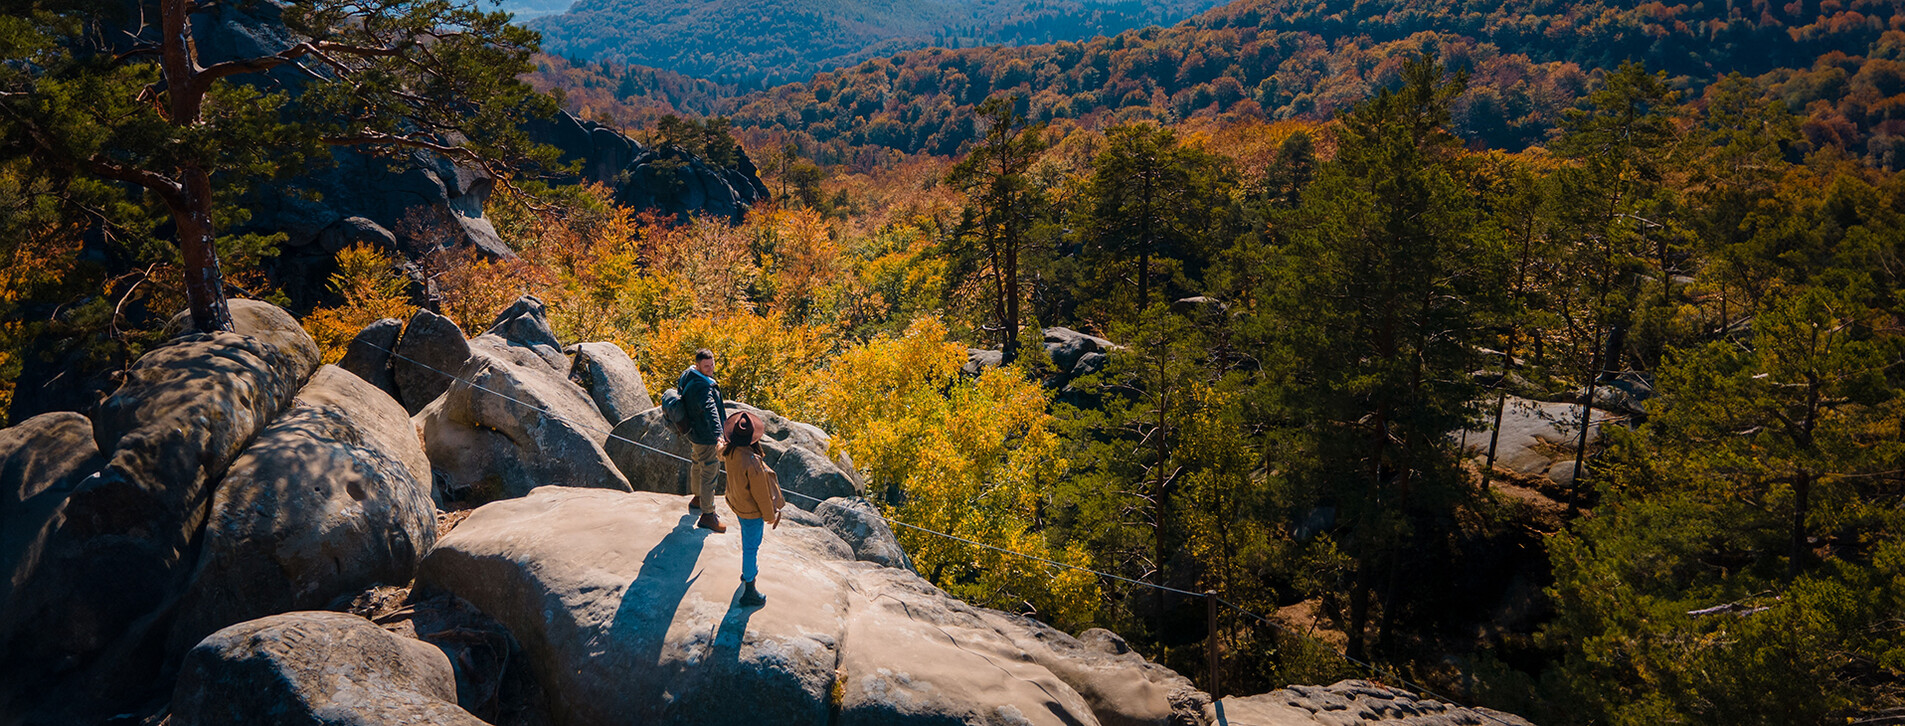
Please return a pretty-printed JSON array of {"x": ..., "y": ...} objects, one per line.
[{"x": 242, "y": 535}]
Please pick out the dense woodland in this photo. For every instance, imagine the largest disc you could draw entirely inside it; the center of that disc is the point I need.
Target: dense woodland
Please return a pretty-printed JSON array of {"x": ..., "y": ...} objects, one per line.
[
  {"x": 1834, "y": 64},
  {"x": 755, "y": 43},
  {"x": 1329, "y": 242}
]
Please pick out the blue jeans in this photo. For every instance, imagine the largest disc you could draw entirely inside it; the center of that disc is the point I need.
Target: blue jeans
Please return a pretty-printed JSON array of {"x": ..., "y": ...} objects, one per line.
[{"x": 751, "y": 531}]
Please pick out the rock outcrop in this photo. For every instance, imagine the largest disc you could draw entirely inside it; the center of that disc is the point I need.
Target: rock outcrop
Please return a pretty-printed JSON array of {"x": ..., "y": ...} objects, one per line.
[
  {"x": 431, "y": 346},
  {"x": 525, "y": 324},
  {"x": 666, "y": 179},
  {"x": 91, "y": 614},
  {"x": 490, "y": 446},
  {"x": 1074, "y": 355},
  {"x": 1351, "y": 702},
  {"x": 315, "y": 667},
  {"x": 627, "y": 614},
  {"x": 611, "y": 378},
  {"x": 41, "y": 461},
  {"x": 1537, "y": 439},
  {"x": 798, "y": 452},
  {"x": 857, "y": 523},
  {"x": 167, "y": 556},
  {"x": 331, "y": 498},
  {"x": 368, "y": 355}
]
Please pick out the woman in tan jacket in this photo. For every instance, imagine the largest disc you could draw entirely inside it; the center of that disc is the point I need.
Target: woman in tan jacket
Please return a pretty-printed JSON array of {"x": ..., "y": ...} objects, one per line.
[{"x": 754, "y": 493}]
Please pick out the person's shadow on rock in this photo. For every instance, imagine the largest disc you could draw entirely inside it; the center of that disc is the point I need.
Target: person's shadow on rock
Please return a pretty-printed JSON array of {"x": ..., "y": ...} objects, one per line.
[
  {"x": 651, "y": 600},
  {"x": 733, "y": 630}
]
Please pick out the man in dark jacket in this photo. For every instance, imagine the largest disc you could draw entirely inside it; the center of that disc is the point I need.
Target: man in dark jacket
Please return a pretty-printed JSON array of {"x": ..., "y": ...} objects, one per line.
[{"x": 706, "y": 410}]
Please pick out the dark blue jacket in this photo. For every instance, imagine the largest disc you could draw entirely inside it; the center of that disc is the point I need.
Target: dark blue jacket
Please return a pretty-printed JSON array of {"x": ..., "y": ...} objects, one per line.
[{"x": 706, "y": 410}]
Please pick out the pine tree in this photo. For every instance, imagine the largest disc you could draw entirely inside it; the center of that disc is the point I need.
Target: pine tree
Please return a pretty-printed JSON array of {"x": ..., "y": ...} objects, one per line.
[
  {"x": 1620, "y": 144},
  {"x": 1149, "y": 199},
  {"x": 139, "y": 106},
  {"x": 1376, "y": 304},
  {"x": 1002, "y": 203}
]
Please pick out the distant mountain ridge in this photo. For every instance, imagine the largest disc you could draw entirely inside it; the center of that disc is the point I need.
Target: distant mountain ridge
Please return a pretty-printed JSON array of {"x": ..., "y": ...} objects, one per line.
[{"x": 775, "y": 41}]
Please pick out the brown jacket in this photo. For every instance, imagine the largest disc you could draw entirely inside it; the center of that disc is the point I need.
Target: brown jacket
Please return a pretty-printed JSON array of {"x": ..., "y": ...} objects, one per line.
[{"x": 754, "y": 491}]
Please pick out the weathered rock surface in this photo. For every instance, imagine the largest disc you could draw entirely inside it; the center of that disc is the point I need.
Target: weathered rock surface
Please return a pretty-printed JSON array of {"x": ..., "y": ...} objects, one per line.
[
  {"x": 314, "y": 667},
  {"x": 94, "y": 611},
  {"x": 331, "y": 498},
  {"x": 627, "y": 614},
  {"x": 429, "y": 341},
  {"x": 368, "y": 355},
  {"x": 1073, "y": 354},
  {"x": 261, "y": 320},
  {"x": 857, "y": 523},
  {"x": 1351, "y": 702},
  {"x": 1537, "y": 439},
  {"x": 979, "y": 359},
  {"x": 1067, "y": 347},
  {"x": 798, "y": 452},
  {"x": 41, "y": 461},
  {"x": 525, "y": 324},
  {"x": 666, "y": 179},
  {"x": 488, "y": 446},
  {"x": 611, "y": 378}
]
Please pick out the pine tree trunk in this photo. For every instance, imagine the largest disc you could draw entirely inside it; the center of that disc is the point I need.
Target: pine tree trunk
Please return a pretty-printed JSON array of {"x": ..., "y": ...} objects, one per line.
[
  {"x": 1358, "y": 610},
  {"x": 1802, "y": 504},
  {"x": 191, "y": 206},
  {"x": 204, "y": 283}
]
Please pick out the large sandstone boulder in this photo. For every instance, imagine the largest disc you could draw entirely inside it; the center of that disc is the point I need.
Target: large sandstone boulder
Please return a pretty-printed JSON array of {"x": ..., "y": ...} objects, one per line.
[
  {"x": 1067, "y": 347},
  {"x": 314, "y": 668},
  {"x": 261, "y": 320},
  {"x": 797, "y": 451},
  {"x": 856, "y": 522},
  {"x": 430, "y": 347},
  {"x": 1537, "y": 439},
  {"x": 368, "y": 354},
  {"x": 978, "y": 360},
  {"x": 41, "y": 460},
  {"x": 627, "y": 614},
  {"x": 331, "y": 498},
  {"x": 491, "y": 439},
  {"x": 611, "y": 378},
  {"x": 525, "y": 324},
  {"x": 91, "y": 618},
  {"x": 1351, "y": 702}
]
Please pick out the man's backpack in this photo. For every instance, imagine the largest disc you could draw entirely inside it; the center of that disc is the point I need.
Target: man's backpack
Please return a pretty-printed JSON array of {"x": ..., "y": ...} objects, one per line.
[{"x": 673, "y": 412}]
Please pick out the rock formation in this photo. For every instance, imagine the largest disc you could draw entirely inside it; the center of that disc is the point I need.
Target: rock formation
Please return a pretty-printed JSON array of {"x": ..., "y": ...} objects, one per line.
[
  {"x": 429, "y": 351},
  {"x": 331, "y": 498},
  {"x": 315, "y": 667},
  {"x": 1352, "y": 702},
  {"x": 627, "y": 615},
  {"x": 611, "y": 379},
  {"x": 169, "y": 558},
  {"x": 666, "y": 179},
  {"x": 1073, "y": 354},
  {"x": 368, "y": 354}
]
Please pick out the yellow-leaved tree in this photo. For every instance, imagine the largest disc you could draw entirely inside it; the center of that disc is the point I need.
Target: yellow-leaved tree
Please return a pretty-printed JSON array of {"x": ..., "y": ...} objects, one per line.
[
  {"x": 372, "y": 288},
  {"x": 759, "y": 359},
  {"x": 972, "y": 457}
]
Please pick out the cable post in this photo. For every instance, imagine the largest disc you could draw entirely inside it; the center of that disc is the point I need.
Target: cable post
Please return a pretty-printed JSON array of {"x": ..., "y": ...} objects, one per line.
[{"x": 1210, "y": 642}]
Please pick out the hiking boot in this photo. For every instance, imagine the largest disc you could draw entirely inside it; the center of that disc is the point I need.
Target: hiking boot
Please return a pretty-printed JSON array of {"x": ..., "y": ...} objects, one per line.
[
  {"x": 750, "y": 597},
  {"x": 694, "y": 502},
  {"x": 711, "y": 522}
]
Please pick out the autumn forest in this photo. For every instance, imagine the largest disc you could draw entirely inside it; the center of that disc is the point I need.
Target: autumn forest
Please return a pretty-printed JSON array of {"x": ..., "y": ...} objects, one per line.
[{"x": 1549, "y": 355}]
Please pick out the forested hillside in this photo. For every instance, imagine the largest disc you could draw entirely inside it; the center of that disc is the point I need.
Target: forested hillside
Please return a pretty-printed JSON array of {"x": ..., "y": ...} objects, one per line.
[
  {"x": 774, "y": 42},
  {"x": 1355, "y": 354},
  {"x": 1836, "y": 64},
  {"x": 1549, "y": 355}
]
